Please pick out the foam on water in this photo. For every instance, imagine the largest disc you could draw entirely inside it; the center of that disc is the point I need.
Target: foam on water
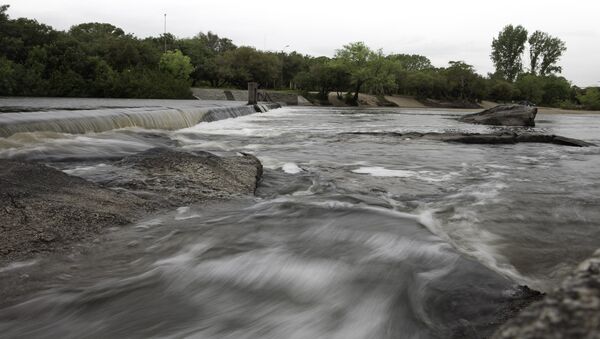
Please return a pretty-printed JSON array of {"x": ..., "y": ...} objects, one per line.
[
  {"x": 383, "y": 172},
  {"x": 291, "y": 168},
  {"x": 429, "y": 176},
  {"x": 17, "y": 265},
  {"x": 184, "y": 213}
]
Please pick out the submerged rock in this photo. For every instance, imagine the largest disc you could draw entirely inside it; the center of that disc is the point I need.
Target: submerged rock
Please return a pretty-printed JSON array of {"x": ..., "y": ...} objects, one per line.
[
  {"x": 504, "y": 137},
  {"x": 44, "y": 209},
  {"x": 571, "y": 311},
  {"x": 504, "y": 115}
]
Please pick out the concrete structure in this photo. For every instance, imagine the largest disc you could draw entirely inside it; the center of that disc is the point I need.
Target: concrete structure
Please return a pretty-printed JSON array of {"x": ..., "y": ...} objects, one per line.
[{"x": 286, "y": 98}]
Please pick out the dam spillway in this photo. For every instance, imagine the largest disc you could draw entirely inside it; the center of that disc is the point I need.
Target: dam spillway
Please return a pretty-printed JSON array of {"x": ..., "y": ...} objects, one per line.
[{"x": 77, "y": 116}]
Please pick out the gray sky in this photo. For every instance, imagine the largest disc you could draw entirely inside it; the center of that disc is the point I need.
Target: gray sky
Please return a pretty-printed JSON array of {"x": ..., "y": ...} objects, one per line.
[{"x": 442, "y": 30}]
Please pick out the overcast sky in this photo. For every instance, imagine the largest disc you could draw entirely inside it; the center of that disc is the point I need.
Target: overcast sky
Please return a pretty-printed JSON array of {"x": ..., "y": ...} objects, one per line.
[{"x": 442, "y": 30}]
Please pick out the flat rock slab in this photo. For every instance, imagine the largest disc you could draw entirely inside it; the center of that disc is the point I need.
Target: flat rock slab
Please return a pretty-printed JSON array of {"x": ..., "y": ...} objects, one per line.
[
  {"x": 571, "y": 311},
  {"x": 505, "y": 137},
  {"x": 43, "y": 209},
  {"x": 183, "y": 178},
  {"x": 503, "y": 115}
]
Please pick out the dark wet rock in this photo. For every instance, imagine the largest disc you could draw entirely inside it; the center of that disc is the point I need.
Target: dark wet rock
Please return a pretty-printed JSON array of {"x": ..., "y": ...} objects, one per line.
[
  {"x": 504, "y": 115},
  {"x": 571, "y": 311},
  {"x": 184, "y": 177},
  {"x": 503, "y": 137},
  {"x": 44, "y": 209}
]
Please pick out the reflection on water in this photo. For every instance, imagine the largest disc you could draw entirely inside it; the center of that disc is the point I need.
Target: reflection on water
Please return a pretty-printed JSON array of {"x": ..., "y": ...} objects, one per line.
[{"x": 349, "y": 236}]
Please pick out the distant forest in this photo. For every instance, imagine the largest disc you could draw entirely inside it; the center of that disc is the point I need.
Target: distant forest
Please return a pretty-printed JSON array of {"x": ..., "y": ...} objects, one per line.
[{"x": 101, "y": 60}]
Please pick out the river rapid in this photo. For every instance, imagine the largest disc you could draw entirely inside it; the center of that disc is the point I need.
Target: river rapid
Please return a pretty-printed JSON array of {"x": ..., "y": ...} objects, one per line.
[{"x": 348, "y": 236}]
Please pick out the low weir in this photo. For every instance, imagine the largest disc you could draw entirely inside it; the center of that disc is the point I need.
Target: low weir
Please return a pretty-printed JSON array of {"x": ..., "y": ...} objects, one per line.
[{"x": 99, "y": 119}]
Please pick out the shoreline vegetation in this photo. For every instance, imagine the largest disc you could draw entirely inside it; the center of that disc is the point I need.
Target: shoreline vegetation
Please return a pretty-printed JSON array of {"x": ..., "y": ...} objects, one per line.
[{"x": 101, "y": 60}]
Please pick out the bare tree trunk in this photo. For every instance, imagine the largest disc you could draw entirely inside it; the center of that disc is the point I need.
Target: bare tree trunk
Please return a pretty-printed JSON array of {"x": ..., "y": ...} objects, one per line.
[{"x": 358, "y": 85}]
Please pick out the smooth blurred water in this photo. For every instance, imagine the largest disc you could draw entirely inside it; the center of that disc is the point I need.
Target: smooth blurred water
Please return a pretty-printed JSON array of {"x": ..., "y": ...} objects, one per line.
[{"x": 349, "y": 236}]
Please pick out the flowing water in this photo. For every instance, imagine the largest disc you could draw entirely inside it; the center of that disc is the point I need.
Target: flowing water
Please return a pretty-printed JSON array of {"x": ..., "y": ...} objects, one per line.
[{"x": 349, "y": 236}]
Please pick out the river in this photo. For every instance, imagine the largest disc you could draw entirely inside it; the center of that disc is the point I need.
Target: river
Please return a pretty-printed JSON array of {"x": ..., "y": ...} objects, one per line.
[{"x": 348, "y": 236}]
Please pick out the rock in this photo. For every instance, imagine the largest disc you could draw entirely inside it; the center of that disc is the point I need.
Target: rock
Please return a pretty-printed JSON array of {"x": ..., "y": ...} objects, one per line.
[
  {"x": 45, "y": 208},
  {"x": 185, "y": 177},
  {"x": 571, "y": 311},
  {"x": 503, "y": 137},
  {"x": 476, "y": 138},
  {"x": 504, "y": 115},
  {"x": 49, "y": 207}
]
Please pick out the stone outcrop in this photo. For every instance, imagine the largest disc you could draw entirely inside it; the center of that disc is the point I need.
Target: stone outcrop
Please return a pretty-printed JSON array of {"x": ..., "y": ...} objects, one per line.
[
  {"x": 44, "y": 209},
  {"x": 183, "y": 178},
  {"x": 571, "y": 311},
  {"x": 503, "y": 137},
  {"x": 504, "y": 115}
]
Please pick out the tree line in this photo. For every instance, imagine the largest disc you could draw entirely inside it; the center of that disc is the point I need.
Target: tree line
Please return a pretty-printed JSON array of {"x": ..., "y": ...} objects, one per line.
[{"x": 101, "y": 60}]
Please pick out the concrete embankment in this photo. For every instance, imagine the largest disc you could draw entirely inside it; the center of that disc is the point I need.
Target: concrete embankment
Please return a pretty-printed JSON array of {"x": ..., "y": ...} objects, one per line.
[{"x": 114, "y": 114}]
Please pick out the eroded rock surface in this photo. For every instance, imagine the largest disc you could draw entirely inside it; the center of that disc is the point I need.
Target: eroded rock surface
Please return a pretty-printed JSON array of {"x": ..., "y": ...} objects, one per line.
[
  {"x": 503, "y": 137},
  {"x": 504, "y": 115},
  {"x": 44, "y": 209},
  {"x": 572, "y": 311}
]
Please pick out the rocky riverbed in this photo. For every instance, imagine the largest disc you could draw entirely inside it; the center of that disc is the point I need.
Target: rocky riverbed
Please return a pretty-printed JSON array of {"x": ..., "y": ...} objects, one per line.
[{"x": 45, "y": 209}]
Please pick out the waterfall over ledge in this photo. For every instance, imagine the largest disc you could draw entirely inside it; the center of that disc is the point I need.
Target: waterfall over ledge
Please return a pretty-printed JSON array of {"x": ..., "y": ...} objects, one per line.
[{"x": 78, "y": 120}]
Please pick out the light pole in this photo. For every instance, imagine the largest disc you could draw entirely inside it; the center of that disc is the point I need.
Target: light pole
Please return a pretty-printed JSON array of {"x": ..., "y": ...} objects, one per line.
[{"x": 165, "y": 33}]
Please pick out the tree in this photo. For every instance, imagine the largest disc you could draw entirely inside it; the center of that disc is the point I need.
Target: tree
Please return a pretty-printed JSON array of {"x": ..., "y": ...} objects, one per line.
[
  {"x": 7, "y": 77},
  {"x": 243, "y": 64},
  {"x": 544, "y": 53},
  {"x": 357, "y": 59},
  {"x": 324, "y": 77},
  {"x": 556, "y": 90},
  {"x": 176, "y": 64},
  {"x": 591, "y": 98},
  {"x": 507, "y": 49},
  {"x": 383, "y": 75},
  {"x": 411, "y": 62},
  {"x": 501, "y": 90},
  {"x": 463, "y": 82},
  {"x": 531, "y": 88}
]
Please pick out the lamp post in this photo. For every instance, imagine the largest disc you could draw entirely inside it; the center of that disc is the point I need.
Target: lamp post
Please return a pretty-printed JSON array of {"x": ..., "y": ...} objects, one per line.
[{"x": 165, "y": 33}]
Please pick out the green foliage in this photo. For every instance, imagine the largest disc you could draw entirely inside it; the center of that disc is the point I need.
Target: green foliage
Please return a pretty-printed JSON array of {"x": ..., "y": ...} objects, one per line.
[
  {"x": 544, "y": 53},
  {"x": 463, "y": 82},
  {"x": 176, "y": 64},
  {"x": 530, "y": 88},
  {"x": 547, "y": 91},
  {"x": 426, "y": 84},
  {"x": 507, "y": 49},
  {"x": 360, "y": 62},
  {"x": 7, "y": 76},
  {"x": 241, "y": 65},
  {"x": 501, "y": 90},
  {"x": 325, "y": 77},
  {"x": 591, "y": 98},
  {"x": 556, "y": 90},
  {"x": 411, "y": 62}
]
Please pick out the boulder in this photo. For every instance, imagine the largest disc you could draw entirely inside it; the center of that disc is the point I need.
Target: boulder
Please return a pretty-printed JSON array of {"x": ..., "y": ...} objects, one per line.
[
  {"x": 571, "y": 311},
  {"x": 43, "y": 209},
  {"x": 504, "y": 115}
]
